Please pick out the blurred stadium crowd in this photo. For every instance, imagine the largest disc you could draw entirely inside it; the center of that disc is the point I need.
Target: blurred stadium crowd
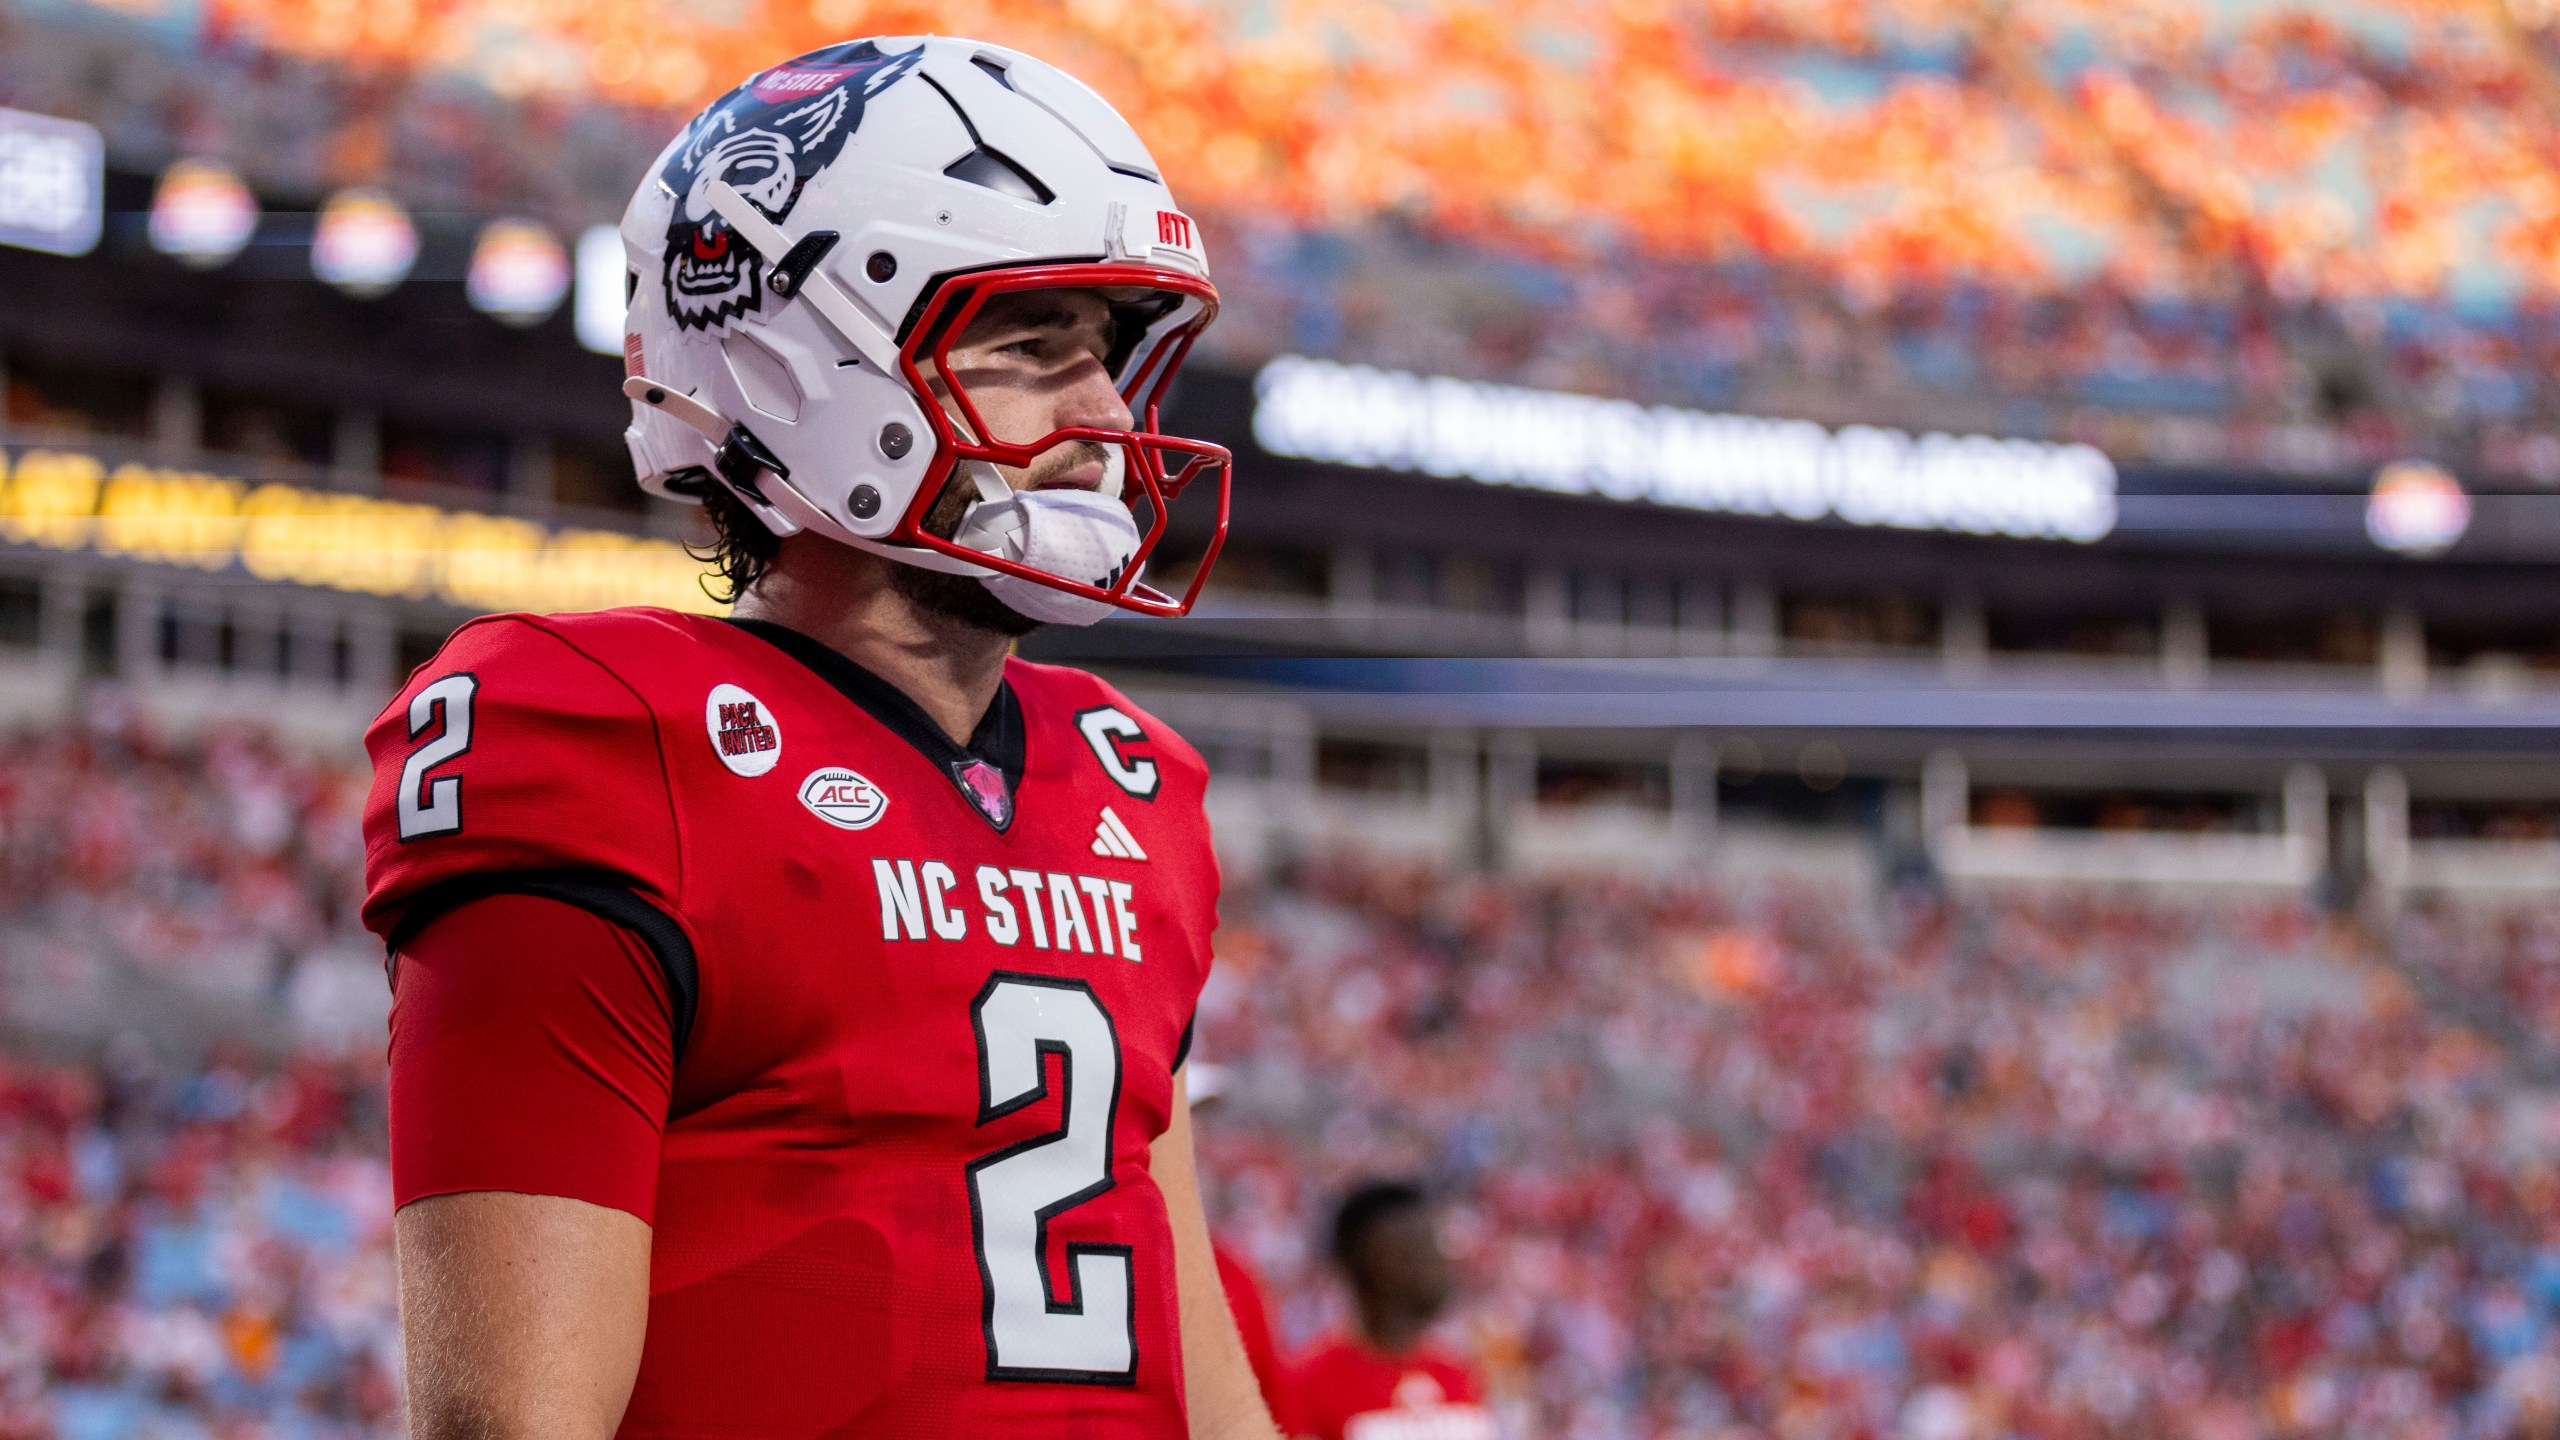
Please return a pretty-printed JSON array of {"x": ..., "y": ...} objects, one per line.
[
  {"x": 192, "y": 1249},
  {"x": 1720, "y": 1163},
  {"x": 2065, "y": 1167},
  {"x": 196, "y": 1252},
  {"x": 2294, "y": 235}
]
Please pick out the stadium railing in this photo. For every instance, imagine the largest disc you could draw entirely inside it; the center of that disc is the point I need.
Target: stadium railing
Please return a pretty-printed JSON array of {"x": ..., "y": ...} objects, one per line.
[{"x": 2293, "y": 857}]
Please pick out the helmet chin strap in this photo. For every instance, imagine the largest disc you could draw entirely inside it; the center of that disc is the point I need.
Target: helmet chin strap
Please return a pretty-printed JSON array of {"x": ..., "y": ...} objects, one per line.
[
  {"x": 1070, "y": 533},
  {"x": 737, "y": 455},
  {"x": 784, "y": 511},
  {"x": 999, "y": 522}
]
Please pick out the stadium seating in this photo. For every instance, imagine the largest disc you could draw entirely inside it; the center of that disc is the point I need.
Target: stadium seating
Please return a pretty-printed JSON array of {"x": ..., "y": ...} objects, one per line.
[
  {"x": 194, "y": 1251},
  {"x": 2291, "y": 235}
]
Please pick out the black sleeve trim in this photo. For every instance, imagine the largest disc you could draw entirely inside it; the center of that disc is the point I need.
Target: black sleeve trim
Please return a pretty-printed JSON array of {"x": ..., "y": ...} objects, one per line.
[
  {"x": 1182, "y": 1050},
  {"x": 599, "y": 894}
]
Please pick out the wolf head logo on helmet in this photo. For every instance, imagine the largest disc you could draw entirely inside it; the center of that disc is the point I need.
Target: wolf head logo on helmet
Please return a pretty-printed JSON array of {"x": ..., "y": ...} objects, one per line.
[
  {"x": 808, "y": 251},
  {"x": 767, "y": 138}
]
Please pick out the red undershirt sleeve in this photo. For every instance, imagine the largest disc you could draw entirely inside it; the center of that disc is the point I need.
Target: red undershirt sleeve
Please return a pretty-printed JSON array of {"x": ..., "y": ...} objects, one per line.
[{"x": 532, "y": 1050}]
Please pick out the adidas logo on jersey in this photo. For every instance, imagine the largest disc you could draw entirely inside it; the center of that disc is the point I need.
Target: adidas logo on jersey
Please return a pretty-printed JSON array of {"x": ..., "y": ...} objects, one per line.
[{"x": 1112, "y": 838}]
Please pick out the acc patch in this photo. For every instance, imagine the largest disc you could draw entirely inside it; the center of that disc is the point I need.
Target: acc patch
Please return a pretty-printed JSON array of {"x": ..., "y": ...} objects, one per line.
[
  {"x": 742, "y": 734},
  {"x": 843, "y": 798}
]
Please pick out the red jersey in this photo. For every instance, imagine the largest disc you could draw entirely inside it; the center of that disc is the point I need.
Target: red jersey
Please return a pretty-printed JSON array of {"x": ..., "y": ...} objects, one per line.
[
  {"x": 1348, "y": 1391},
  {"x": 908, "y": 1011}
]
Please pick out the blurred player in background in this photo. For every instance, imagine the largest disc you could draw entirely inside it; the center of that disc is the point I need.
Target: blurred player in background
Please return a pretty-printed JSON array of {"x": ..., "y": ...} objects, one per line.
[{"x": 1388, "y": 1382}]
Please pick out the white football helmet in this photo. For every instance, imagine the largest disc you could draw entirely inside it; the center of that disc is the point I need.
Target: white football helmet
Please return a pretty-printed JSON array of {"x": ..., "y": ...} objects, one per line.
[{"x": 818, "y": 238}]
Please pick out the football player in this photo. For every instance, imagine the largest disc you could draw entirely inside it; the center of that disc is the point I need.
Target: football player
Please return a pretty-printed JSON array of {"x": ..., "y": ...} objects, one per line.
[
  {"x": 790, "y": 1010},
  {"x": 1387, "y": 1381}
]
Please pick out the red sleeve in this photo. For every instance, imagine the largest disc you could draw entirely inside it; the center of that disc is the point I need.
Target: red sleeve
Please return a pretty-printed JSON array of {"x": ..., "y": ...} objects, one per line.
[
  {"x": 531, "y": 1051},
  {"x": 1253, "y": 1322},
  {"x": 514, "y": 750}
]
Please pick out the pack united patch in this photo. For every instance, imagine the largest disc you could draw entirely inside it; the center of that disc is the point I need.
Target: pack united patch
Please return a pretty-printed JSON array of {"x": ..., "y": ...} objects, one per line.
[{"x": 743, "y": 734}]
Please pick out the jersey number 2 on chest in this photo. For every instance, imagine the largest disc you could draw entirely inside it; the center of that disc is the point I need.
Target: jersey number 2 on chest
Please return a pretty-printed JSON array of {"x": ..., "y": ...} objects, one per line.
[{"x": 1089, "y": 1334}]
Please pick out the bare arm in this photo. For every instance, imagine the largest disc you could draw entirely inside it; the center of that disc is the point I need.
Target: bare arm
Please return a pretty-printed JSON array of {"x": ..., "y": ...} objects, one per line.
[
  {"x": 524, "y": 1315},
  {"x": 1225, "y": 1401}
]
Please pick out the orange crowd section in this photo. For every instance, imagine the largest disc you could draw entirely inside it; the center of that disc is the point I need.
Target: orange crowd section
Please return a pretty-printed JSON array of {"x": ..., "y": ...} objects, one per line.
[{"x": 2370, "y": 148}]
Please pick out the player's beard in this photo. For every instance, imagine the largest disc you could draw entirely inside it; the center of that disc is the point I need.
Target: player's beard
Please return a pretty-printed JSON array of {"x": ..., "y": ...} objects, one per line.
[{"x": 962, "y": 598}]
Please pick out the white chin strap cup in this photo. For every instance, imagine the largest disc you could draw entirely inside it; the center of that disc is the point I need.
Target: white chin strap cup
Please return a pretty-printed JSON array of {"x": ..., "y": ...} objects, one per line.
[{"x": 1077, "y": 534}]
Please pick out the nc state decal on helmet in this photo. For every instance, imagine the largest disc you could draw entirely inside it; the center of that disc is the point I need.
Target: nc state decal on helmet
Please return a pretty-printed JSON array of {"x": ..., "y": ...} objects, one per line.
[{"x": 766, "y": 138}]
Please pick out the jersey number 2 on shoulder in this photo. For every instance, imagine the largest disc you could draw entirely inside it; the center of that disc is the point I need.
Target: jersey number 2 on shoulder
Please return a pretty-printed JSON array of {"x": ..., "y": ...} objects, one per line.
[
  {"x": 435, "y": 807},
  {"x": 1089, "y": 1334}
]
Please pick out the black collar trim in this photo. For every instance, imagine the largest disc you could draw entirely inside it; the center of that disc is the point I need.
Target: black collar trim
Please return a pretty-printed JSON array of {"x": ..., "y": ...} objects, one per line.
[{"x": 997, "y": 743}]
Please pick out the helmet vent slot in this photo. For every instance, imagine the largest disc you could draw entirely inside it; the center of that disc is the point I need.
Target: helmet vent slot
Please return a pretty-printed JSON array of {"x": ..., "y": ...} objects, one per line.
[
  {"x": 988, "y": 64},
  {"x": 763, "y": 377},
  {"x": 990, "y": 168},
  {"x": 986, "y": 167}
]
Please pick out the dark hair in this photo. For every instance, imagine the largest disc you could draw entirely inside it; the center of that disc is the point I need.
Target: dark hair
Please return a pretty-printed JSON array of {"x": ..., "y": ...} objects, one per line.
[
  {"x": 741, "y": 548},
  {"x": 1368, "y": 1203}
]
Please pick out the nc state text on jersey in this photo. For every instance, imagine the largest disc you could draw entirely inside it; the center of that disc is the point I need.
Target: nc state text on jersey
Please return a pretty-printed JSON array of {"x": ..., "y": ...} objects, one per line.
[{"x": 1047, "y": 910}]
